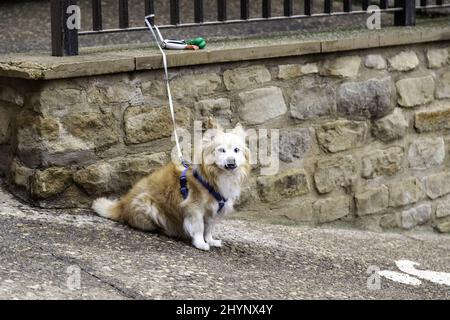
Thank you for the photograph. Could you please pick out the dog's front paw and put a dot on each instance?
(201, 245)
(215, 243)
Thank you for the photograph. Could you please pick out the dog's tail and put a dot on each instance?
(107, 208)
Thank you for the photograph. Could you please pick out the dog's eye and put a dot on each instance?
(236, 150)
(221, 150)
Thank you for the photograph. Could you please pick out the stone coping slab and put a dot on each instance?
(114, 59)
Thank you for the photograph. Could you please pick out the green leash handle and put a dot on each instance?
(199, 42)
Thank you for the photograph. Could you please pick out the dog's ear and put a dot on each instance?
(209, 135)
(212, 123)
(239, 131)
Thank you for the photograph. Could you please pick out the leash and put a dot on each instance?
(183, 179)
(169, 93)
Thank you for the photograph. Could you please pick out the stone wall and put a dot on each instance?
(364, 135)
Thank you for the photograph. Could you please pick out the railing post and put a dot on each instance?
(123, 14)
(406, 17)
(266, 8)
(64, 40)
(174, 12)
(365, 4)
(70, 35)
(287, 8)
(96, 15)
(221, 10)
(198, 11)
(348, 6)
(149, 8)
(57, 29)
(309, 7)
(328, 6)
(245, 9)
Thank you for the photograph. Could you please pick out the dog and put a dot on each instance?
(187, 201)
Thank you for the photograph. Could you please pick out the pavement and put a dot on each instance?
(53, 254)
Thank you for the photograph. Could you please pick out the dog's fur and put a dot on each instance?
(155, 203)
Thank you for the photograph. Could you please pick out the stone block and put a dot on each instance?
(331, 209)
(20, 175)
(241, 78)
(287, 184)
(426, 153)
(435, 118)
(372, 200)
(382, 162)
(195, 85)
(261, 105)
(342, 67)
(413, 92)
(443, 209)
(437, 185)
(312, 102)
(50, 182)
(118, 174)
(418, 215)
(11, 96)
(294, 144)
(437, 58)
(291, 71)
(370, 99)
(404, 192)
(443, 227)
(7, 114)
(375, 61)
(342, 135)
(144, 124)
(335, 172)
(404, 61)
(443, 86)
(220, 109)
(391, 127)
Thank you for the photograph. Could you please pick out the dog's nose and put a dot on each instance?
(231, 164)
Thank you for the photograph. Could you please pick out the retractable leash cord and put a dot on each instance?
(169, 94)
(183, 179)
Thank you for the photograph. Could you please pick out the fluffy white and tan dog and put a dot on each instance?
(157, 203)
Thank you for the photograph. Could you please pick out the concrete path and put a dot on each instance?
(48, 254)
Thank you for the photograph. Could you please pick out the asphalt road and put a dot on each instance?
(47, 254)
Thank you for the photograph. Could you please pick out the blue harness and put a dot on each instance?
(185, 191)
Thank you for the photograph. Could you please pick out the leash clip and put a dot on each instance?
(185, 163)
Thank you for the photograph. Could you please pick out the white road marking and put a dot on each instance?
(411, 274)
(433, 276)
(400, 277)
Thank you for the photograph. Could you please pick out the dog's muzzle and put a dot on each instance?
(231, 164)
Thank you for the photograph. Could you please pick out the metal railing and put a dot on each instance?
(65, 39)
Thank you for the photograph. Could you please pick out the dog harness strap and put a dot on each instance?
(185, 191)
(220, 200)
(183, 183)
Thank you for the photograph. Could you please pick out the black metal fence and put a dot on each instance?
(65, 38)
